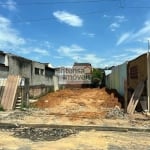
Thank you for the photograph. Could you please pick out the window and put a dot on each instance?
(134, 72)
(37, 71)
(42, 71)
(2, 59)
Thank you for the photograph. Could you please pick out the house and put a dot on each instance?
(77, 76)
(128, 76)
(40, 76)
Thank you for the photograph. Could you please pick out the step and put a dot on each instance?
(19, 97)
(17, 107)
(18, 104)
(18, 101)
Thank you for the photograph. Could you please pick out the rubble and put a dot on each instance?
(116, 113)
(17, 115)
(46, 134)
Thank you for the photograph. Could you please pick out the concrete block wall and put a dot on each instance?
(40, 90)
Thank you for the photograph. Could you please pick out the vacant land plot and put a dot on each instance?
(92, 140)
(97, 107)
(79, 104)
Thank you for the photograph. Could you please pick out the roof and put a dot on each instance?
(2, 53)
(82, 64)
(24, 59)
(143, 55)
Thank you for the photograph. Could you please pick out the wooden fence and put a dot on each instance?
(8, 99)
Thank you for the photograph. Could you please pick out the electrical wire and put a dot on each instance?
(59, 2)
(52, 17)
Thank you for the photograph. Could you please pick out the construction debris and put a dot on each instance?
(47, 134)
(116, 113)
(135, 98)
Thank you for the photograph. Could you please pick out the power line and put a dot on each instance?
(122, 5)
(52, 17)
(59, 2)
(137, 7)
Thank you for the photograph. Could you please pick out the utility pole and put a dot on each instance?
(148, 78)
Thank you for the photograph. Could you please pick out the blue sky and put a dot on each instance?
(61, 32)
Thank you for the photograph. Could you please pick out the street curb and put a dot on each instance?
(76, 127)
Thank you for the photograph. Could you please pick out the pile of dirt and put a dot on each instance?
(79, 103)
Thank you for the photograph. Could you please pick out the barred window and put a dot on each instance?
(134, 72)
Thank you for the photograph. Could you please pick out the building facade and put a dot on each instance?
(77, 76)
(38, 75)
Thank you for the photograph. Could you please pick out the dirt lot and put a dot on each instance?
(77, 107)
(79, 104)
(96, 107)
(92, 140)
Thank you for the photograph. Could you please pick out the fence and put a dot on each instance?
(12, 89)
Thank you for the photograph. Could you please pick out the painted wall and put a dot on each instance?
(38, 75)
(19, 66)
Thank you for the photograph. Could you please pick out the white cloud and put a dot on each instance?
(58, 57)
(129, 54)
(105, 16)
(91, 35)
(141, 35)
(47, 44)
(68, 18)
(89, 58)
(120, 18)
(120, 56)
(77, 53)
(11, 40)
(41, 51)
(70, 51)
(10, 5)
(123, 38)
(145, 31)
(92, 58)
(136, 51)
(27, 50)
(114, 26)
(143, 40)
(8, 35)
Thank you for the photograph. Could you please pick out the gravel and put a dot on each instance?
(46, 134)
(116, 113)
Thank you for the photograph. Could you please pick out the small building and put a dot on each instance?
(77, 76)
(129, 75)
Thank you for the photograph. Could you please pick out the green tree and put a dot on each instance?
(97, 77)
